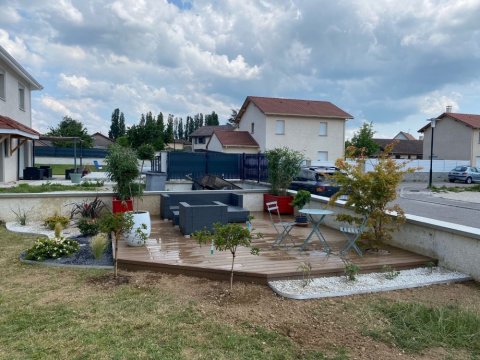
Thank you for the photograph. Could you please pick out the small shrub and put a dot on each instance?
(98, 244)
(45, 248)
(58, 230)
(88, 209)
(21, 215)
(88, 226)
(306, 268)
(389, 272)
(52, 220)
(351, 271)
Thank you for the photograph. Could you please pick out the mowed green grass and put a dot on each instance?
(59, 169)
(58, 313)
(55, 313)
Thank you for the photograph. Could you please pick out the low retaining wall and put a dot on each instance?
(40, 206)
(456, 247)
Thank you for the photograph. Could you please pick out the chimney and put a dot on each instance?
(449, 109)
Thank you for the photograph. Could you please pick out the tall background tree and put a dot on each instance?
(363, 142)
(69, 127)
(211, 119)
(231, 119)
(117, 126)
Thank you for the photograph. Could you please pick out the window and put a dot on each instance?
(21, 97)
(322, 155)
(200, 140)
(478, 132)
(323, 129)
(280, 127)
(2, 84)
(252, 128)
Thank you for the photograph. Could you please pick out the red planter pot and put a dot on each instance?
(283, 202)
(122, 206)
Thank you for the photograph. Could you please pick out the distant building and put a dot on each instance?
(16, 133)
(456, 137)
(316, 128)
(202, 135)
(233, 142)
(101, 141)
(179, 145)
(403, 149)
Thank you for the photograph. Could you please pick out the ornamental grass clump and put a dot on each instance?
(98, 245)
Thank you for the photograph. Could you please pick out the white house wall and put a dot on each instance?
(254, 115)
(452, 140)
(10, 105)
(302, 134)
(214, 144)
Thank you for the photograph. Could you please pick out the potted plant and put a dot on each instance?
(122, 167)
(283, 165)
(302, 198)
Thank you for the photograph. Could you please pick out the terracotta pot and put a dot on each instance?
(122, 206)
(283, 202)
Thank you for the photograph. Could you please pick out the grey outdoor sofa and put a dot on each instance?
(231, 203)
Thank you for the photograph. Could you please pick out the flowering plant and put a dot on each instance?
(45, 248)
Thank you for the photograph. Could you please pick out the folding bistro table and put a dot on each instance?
(316, 216)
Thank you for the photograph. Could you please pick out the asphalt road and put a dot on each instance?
(416, 199)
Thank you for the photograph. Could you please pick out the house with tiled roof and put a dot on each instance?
(404, 136)
(233, 142)
(456, 136)
(403, 149)
(316, 128)
(202, 135)
(16, 133)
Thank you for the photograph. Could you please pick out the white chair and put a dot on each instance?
(282, 228)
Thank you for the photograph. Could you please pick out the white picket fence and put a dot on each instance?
(421, 166)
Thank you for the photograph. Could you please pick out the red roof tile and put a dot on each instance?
(471, 120)
(10, 126)
(293, 107)
(236, 138)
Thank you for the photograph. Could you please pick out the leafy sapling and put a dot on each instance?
(228, 237)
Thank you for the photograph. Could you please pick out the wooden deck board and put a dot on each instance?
(169, 251)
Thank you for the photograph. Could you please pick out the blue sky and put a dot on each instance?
(394, 63)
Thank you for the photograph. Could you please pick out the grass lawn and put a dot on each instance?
(56, 313)
(49, 187)
(59, 169)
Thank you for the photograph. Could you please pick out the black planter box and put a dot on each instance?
(33, 173)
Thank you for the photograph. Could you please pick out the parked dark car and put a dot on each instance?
(467, 174)
(315, 179)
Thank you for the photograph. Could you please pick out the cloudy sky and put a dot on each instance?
(394, 63)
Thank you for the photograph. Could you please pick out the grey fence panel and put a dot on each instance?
(228, 166)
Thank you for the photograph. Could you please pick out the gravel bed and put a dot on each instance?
(82, 258)
(365, 283)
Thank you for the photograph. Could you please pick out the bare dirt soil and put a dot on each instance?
(326, 325)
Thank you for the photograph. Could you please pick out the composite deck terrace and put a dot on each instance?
(169, 251)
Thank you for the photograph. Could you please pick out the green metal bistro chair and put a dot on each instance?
(353, 233)
(282, 228)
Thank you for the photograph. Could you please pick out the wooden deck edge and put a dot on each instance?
(211, 274)
(224, 275)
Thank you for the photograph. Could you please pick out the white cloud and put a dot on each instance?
(435, 103)
(384, 61)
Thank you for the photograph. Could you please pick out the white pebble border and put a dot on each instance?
(365, 283)
(37, 228)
